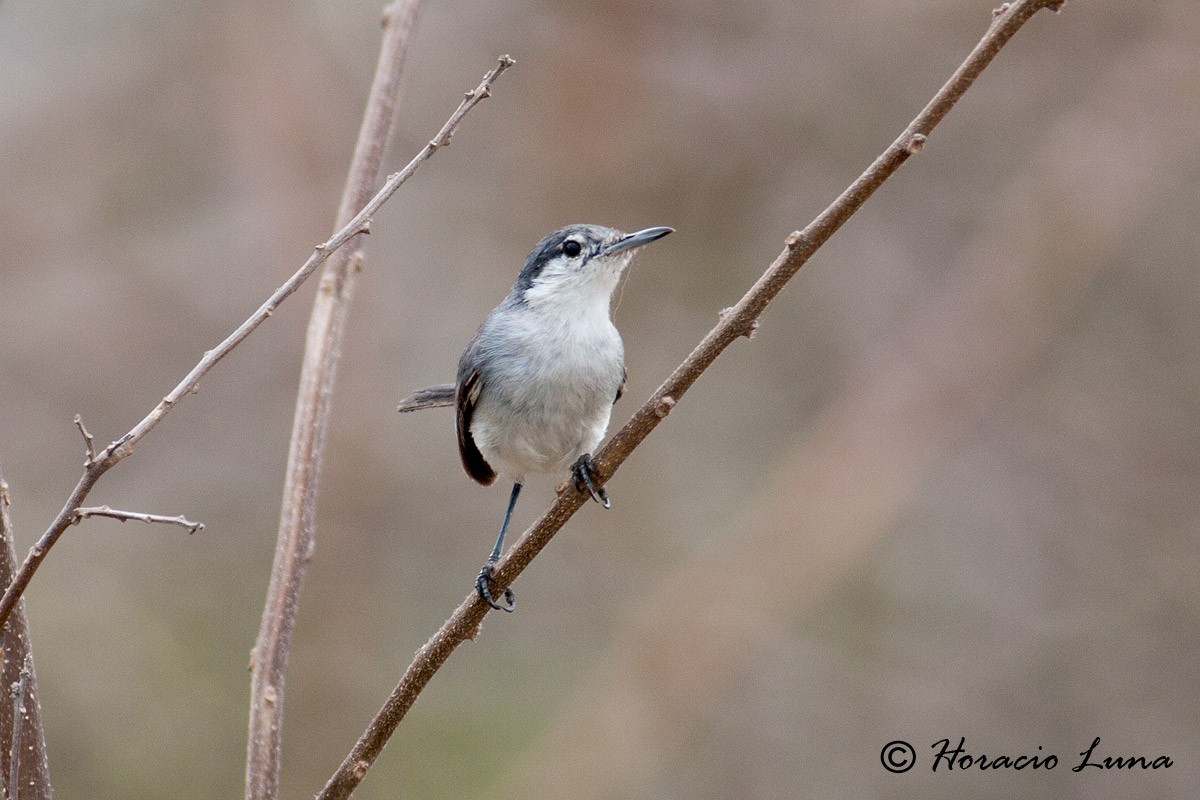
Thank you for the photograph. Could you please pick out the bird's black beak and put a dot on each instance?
(632, 240)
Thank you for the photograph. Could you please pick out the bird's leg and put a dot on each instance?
(583, 470)
(484, 581)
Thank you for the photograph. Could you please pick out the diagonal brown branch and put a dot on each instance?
(738, 321)
(22, 739)
(296, 536)
(96, 464)
(902, 409)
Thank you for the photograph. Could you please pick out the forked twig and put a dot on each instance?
(99, 463)
(738, 321)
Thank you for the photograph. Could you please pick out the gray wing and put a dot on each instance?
(469, 388)
(432, 397)
(473, 461)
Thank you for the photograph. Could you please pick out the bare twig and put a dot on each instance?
(296, 536)
(738, 321)
(88, 445)
(22, 735)
(104, 511)
(99, 463)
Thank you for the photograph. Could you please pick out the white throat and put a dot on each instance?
(586, 295)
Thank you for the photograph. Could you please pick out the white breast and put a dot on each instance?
(548, 400)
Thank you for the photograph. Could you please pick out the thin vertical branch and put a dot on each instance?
(18, 715)
(22, 740)
(738, 321)
(296, 537)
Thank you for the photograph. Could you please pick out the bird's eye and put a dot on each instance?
(572, 248)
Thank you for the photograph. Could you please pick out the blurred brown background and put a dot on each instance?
(948, 490)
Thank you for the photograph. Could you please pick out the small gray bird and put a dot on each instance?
(537, 382)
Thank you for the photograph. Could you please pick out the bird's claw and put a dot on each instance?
(584, 470)
(483, 585)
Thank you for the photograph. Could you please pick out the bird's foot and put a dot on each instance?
(584, 470)
(483, 585)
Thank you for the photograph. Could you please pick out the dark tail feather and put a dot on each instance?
(433, 397)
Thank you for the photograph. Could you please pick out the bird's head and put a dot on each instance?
(579, 264)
